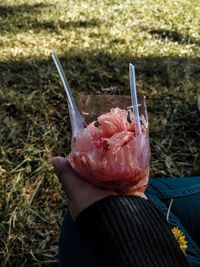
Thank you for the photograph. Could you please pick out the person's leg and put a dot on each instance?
(185, 193)
(73, 251)
(187, 209)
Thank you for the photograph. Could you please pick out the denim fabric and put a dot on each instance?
(184, 214)
(185, 209)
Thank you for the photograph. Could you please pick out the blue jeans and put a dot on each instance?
(183, 193)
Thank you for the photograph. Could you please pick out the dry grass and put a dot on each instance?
(95, 41)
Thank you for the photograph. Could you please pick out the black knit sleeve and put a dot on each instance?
(129, 231)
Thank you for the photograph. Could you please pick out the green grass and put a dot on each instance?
(95, 41)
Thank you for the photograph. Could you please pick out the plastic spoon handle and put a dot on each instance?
(134, 99)
(76, 118)
(64, 79)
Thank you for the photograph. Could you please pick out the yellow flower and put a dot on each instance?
(178, 234)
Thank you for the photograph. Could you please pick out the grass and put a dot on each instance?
(95, 41)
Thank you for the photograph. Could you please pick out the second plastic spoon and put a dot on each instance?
(134, 99)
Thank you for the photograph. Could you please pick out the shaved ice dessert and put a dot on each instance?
(108, 153)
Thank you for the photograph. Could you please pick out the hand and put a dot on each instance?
(80, 193)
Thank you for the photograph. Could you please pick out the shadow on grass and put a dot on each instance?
(32, 97)
(174, 36)
(17, 10)
(54, 26)
(95, 70)
(23, 17)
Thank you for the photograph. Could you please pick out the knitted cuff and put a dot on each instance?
(129, 231)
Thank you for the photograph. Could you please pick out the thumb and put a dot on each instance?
(59, 165)
(70, 181)
(64, 173)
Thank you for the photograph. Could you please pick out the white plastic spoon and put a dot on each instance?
(77, 121)
(134, 99)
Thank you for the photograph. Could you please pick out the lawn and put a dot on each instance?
(95, 41)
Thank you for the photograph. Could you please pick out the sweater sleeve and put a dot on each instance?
(129, 231)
